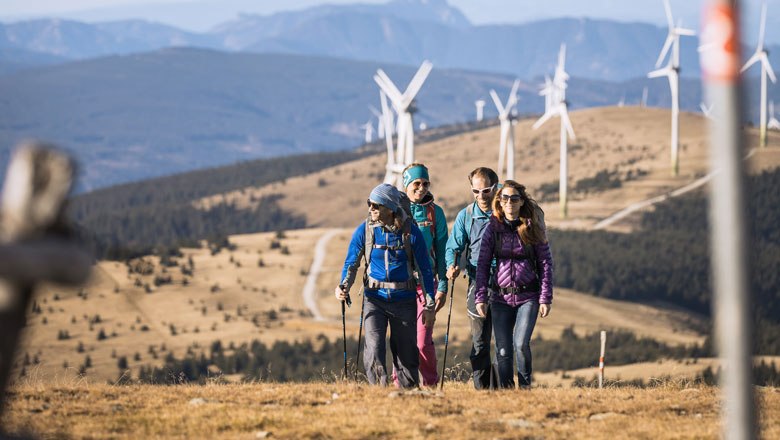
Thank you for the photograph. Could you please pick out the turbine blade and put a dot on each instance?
(754, 59)
(659, 73)
(683, 31)
(496, 101)
(387, 85)
(762, 27)
(545, 117)
(515, 86)
(669, 18)
(417, 81)
(769, 71)
(374, 111)
(664, 50)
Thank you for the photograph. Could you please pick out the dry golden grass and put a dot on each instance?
(352, 411)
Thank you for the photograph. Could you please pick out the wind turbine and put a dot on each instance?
(644, 97)
(403, 103)
(672, 72)
(773, 124)
(480, 104)
(380, 126)
(766, 70)
(555, 92)
(706, 110)
(369, 127)
(506, 144)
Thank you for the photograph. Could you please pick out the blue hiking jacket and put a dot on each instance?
(394, 267)
(461, 239)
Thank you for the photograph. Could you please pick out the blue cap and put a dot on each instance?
(386, 195)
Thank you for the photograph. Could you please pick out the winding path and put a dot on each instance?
(310, 288)
(649, 202)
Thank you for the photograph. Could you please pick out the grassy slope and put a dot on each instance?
(339, 410)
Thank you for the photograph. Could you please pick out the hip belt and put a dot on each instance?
(523, 288)
(410, 284)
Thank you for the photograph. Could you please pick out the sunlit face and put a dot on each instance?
(483, 192)
(417, 189)
(378, 212)
(511, 202)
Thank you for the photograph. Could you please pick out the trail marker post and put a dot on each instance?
(601, 358)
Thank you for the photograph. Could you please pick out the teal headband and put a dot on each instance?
(414, 173)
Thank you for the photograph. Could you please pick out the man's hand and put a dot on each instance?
(544, 310)
(441, 299)
(341, 293)
(453, 272)
(428, 318)
(482, 309)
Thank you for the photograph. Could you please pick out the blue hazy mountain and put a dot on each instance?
(402, 31)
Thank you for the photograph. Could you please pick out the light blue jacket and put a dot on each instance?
(389, 265)
(460, 240)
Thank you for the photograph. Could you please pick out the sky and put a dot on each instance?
(201, 15)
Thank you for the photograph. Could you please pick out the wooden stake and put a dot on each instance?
(601, 358)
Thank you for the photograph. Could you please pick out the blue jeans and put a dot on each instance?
(512, 328)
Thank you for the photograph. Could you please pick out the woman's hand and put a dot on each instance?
(482, 309)
(544, 310)
(341, 295)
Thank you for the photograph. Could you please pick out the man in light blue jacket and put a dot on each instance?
(465, 240)
(393, 250)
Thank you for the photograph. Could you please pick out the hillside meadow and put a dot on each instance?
(336, 410)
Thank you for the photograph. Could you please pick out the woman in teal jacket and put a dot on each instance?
(432, 223)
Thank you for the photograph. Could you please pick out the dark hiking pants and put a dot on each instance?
(481, 329)
(513, 327)
(402, 319)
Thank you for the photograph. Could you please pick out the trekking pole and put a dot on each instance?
(360, 331)
(344, 329)
(447, 335)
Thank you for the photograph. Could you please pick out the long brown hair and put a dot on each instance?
(531, 230)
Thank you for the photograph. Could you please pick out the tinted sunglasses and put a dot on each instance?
(483, 191)
(513, 198)
(424, 184)
(372, 205)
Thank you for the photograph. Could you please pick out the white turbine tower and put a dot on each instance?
(403, 105)
(773, 123)
(506, 144)
(480, 104)
(672, 71)
(555, 92)
(644, 97)
(369, 127)
(766, 70)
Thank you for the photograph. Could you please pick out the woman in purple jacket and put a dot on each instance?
(522, 278)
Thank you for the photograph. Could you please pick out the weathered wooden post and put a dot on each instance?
(34, 244)
(601, 358)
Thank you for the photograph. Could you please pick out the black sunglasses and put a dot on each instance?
(513, 198)
(372, 205)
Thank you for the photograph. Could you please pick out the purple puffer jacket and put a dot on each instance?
(512, 272)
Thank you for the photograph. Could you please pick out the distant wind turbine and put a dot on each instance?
(766, 70)
(369, 127)
(644, 97)
(555, 91)
(773, 124)
(380, 125)
(706, 110)
(480, 104)
(403, 103)
(672, 72)
(506, 144)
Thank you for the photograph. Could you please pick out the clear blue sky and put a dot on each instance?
(202, 14)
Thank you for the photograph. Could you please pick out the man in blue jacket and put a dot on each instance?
(466, 237)
(393, 250)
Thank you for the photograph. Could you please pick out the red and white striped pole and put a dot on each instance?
(601, 358)
(728, 236)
